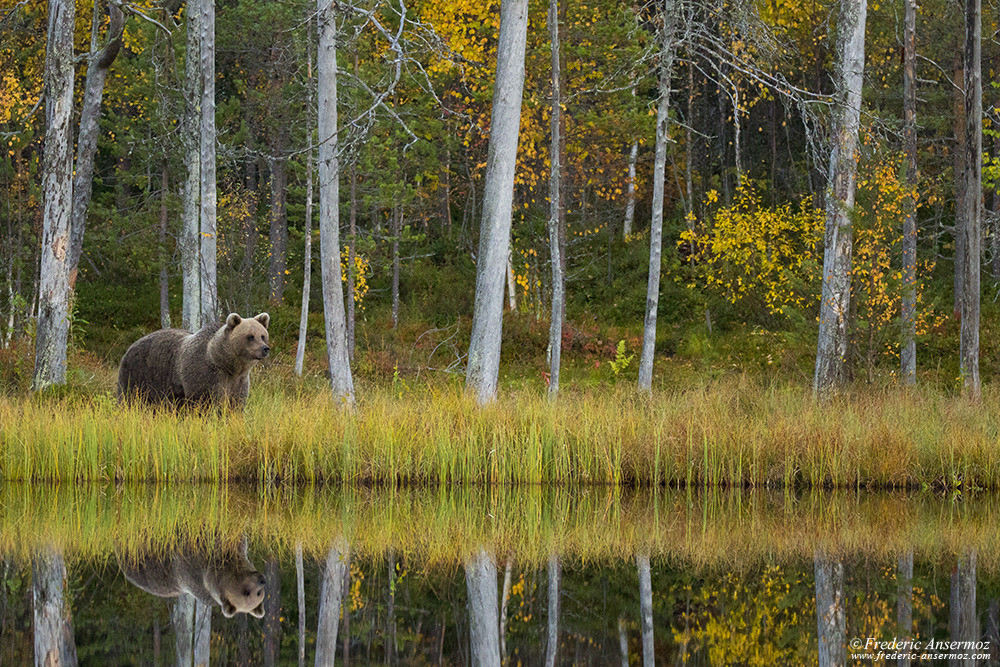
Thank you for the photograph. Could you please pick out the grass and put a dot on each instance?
(733, 433)
(706, 528)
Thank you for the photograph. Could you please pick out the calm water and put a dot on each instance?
(144, 576)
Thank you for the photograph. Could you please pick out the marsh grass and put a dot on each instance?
(441, 525)
(731, 434)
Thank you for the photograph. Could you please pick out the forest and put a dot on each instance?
(688, 155)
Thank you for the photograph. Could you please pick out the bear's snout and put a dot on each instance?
(264, 351)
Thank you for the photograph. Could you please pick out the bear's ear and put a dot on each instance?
(263, 318)
(229, 609)
(233, 320)
(258, 611)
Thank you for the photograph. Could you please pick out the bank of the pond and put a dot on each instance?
(737, 434)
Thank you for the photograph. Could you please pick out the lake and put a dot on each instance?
(140, 575)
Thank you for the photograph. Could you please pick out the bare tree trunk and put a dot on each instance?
(973, 198)
(397, 225)
(555, 206)
(209, 284)
(272, 613)
(182, 615)
(53, 624)
(164, 255)
(908, 351)
(904, 601)
(555, 575)
(190, 239)
(99, 62)
(341, 381)
(964, 621)
(831, 618)
(484, 637)
(831, 347)
(503, 610)
(633, 156)
(330, 598)
(57, 192)
(961, 212)
(300, 589)
(666, 66)
(511, 284)
(494, 242)
(279, 227)
(623, 641)
(202, 633)
(300, 352)
(347, 612)
(646, 610)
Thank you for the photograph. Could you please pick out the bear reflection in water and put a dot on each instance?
(224, 577)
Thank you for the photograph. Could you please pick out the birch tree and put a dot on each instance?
(969, 345)
(558, 284)
(300, 351)
(341, 381)
(963, 623)
(53, 625)
(484, 628)
(831, 347)
(98, 63)
(330, 600)
(908, 352)
(57, 192)
(190, 245)
(209, 286)
(831, 617)
(552, 642)
(667, 43)
(646, 610)
(494, 241)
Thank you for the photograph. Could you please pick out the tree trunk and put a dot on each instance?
(904, 601)
(209, 284)
(555, 575)
(341, 382)
(961, 214)
(190, 244)
(908, 351)
(182, 617)
(511, 283)
(666, 66)
(831, 618)
(351, 252)
(164, 255)
(330, 598)
(964, 621)
(555, 206)
(99, 62)
(300, 589)
(279, 227)
(57, 191)
(484, 636)
(831, 347)
(494, 242)
(397, 225)
(622, 641)
(53, 624)
(969, 351)
(507, 571)
(633, 156)
(646, 610)
(272, 613)
(300, 352)
(202, 633)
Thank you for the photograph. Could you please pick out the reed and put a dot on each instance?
(737, 433)
(442, 525)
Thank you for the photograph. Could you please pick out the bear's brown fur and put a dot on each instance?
(211, 366)
(227, 578)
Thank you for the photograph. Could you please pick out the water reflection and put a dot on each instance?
(676, 581)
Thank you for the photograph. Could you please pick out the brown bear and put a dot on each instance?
(226, 578)
(208, 367)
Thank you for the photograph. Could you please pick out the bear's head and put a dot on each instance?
(242, 593)
(248, 337)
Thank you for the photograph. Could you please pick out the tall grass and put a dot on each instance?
(738, 434)
(703, 527)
